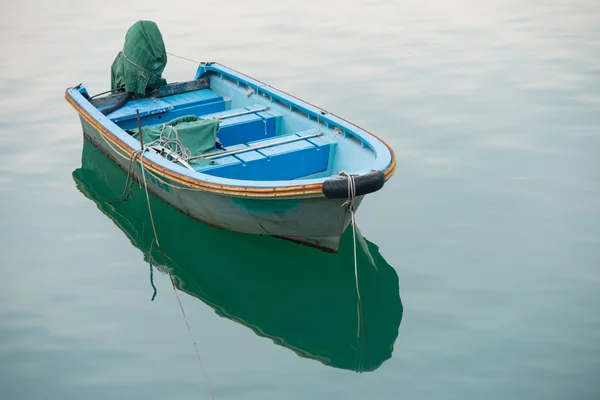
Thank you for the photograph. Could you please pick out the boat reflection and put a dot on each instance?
(300, 298)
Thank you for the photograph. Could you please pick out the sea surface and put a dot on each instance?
(480, 264)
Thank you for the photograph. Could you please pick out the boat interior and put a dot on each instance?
(260, 137)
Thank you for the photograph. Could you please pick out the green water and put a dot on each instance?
(479, 261)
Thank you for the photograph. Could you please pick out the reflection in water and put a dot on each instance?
(299, 297)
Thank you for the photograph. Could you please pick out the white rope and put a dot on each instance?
(349, 204)
(184, 58)
(168, 140)
(170, 147)
(190, 60)
(139, 66)
(171, 276)
(356, 275)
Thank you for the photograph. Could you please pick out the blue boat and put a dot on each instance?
(266, 285)
(274, 164)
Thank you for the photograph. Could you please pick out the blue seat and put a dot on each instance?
(152, 105)
(278, 162)
(246, 128)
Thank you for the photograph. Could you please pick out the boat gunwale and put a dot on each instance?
(270, 90)
(276, 189)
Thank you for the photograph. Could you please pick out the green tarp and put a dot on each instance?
(143, 59)
(197, 135)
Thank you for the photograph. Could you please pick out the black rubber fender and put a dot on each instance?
(337, 188)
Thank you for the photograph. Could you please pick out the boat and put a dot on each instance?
(230, 150)
(301, 298)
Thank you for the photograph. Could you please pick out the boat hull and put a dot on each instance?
(316, 221)
(302, 300)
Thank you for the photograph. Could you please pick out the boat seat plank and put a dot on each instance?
(147, 107)
(153, 105)
(226, 160)
(189, 99)
(245, 128)
(157, 119)
(278, 162)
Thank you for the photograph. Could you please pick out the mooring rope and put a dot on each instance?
(129, 182)
(154, 175)
(184, 58)
(143, 148)
(151, 271)
(350, 206)
(171, 276)
(152, 283)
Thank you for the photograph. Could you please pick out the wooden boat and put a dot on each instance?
(280, 167)
(300, 298)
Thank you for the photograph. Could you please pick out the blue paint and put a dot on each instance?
(245, 128)
(196, 97)
(156, 119)
(279, 162)
(150, 106)
(355, 151)
(260, 89)
(355, 155)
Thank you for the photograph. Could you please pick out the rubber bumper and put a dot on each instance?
(368, 183)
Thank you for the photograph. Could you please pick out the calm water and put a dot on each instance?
(481, 261)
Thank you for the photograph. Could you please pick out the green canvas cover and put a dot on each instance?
(141, 62)
(197, 135)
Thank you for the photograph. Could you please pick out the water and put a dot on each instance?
(484, 277)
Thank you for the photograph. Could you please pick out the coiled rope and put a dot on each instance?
(171, 143)
(169, 139)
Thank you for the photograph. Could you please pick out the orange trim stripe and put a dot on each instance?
(191, 183)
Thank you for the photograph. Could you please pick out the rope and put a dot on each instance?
(171, 276)
(139, 66)
(129, 182)
(349, 204)
(152, 283)
(204, 63)
(350, 207)
(168, 140)
(184, 58)
(151, 271)
(154, 175)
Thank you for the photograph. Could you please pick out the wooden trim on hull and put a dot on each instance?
(296, 239)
